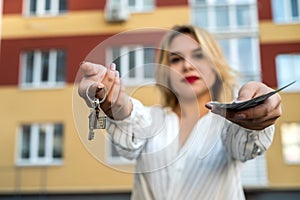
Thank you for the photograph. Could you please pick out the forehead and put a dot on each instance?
(183, 42)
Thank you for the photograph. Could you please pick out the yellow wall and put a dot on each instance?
(281, 174)
(280, 33)
(89, 22)
(81, 169)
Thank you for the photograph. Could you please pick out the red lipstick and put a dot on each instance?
(191, 79)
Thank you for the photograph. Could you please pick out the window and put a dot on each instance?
(45, 7)
(235, 25)
(43, 68)
(290, 138)
(40, 144)
(254, 172)
(112, 155)
(286, 11)
(242, 55)
(135, 63)
(135, 5)
(224, 15)
(288, 70)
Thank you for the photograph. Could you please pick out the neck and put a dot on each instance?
(193, 109)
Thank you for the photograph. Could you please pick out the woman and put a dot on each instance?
(182, 150)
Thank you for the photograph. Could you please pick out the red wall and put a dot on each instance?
(78, 48)
(268, 63)
(16, 6)
(264, 9)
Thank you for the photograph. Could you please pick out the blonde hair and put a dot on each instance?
(222, 89)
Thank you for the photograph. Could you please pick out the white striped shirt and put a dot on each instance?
(206, 167)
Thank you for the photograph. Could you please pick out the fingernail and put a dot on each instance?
(117, 74)
(100, 85)
(208, 105)
(113, 66)
(240, 116)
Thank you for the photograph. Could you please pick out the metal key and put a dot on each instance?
(100, 119)
(97, 120)
(92, 121)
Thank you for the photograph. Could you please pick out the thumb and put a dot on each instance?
(91, 69)
(248, 91)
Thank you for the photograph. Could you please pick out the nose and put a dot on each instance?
(187, 65)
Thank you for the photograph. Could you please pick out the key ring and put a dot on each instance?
(95, 100)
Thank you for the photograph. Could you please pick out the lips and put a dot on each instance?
(191, 79)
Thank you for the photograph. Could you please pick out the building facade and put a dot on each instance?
(43, 143)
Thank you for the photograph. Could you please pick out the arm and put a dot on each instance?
(245, 144)
(128, 118)
(249, 132)
(129, 135)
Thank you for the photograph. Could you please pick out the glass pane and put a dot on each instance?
(294, 5)
(61, 66)
(200, 1)
(62, 5)
(290, 134)
(278, 11)
(246, 64)
(47, 5)
(222, 17)
(200, 17)
(45, 67)
(32, 7)
(287, 74)
(131, 3)
(243, 16)
(132, 64)
(58, 141)
(42, 141)
(148, 4)
(25, 148)
(29, 67)
(116, 58)
(224, 43)
(221, 1)
(148, 60)
(114, 152)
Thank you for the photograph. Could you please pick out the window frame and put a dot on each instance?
(114, 160)
(140, 77)
(34, 159)
(139, 6)
(280, 81)
(233, 33)
(283, 145)
(287, 14)
(37, 82)
(41, 10)
(232, 6)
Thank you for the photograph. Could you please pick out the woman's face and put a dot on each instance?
(191, 74)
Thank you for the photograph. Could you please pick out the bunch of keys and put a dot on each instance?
(97, 119)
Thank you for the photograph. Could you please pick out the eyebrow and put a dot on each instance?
(176, 53)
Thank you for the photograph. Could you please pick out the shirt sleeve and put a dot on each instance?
(245, 144)
(129, 136)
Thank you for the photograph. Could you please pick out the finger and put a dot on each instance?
(247, 92)
(271, 106)
(251, 90)
(108, 81)
(91, 69)
(112, 97)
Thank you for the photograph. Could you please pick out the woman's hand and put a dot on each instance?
(258, 117)
(117, 104)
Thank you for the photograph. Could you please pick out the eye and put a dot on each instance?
(174, 60)
(199, 55)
